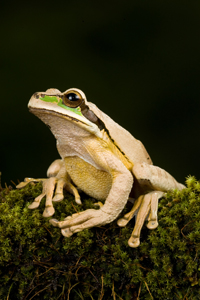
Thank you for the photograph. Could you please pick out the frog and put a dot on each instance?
(100, 158)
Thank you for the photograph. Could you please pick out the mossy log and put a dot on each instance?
(37, 262)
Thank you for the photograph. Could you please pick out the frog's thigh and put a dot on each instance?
(155, 178)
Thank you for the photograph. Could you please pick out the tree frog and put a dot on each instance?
(101, 158)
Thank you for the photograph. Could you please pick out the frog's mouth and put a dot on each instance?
(39, 111)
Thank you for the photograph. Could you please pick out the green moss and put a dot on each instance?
(37, 262)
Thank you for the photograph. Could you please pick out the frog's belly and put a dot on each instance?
(96, 183)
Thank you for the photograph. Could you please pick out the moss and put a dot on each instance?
(37, 262)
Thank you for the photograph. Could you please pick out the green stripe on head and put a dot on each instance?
(57, 100)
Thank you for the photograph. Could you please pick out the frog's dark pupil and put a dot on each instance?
(72, 97)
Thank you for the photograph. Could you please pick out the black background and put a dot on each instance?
(138, 61)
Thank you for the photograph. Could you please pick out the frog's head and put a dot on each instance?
(71, 105)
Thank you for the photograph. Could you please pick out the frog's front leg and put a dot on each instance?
(156, 181)
(52, 187)
(122, 181)
(57, 169)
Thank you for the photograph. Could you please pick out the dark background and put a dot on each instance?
(139, 61)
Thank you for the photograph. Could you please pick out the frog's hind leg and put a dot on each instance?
(153, 218)
(154, 178)
(149, 206)
(154, 181)
(127, 217)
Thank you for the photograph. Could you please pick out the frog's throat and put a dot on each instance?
(92, 128)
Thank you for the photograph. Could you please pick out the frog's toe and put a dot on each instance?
(78, 200)
(152, 224)
(49, 211)
(28, 180)
(58, 197)
(37, 201)
(54, 222)
(66, 232)
(122, 222)
(21, 185)
(134, 242)
(34, 205)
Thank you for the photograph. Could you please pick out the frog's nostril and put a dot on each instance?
(36, 95)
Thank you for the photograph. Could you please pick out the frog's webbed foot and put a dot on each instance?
(47, 190)
(145, 205)
(52, 187)
(80, 221)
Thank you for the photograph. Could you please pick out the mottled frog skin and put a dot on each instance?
(101, 158)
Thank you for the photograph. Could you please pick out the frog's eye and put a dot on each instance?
(72, 99)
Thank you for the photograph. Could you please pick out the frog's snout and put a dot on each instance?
(36, 95)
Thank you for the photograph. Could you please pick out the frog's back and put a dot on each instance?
(131, 147)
